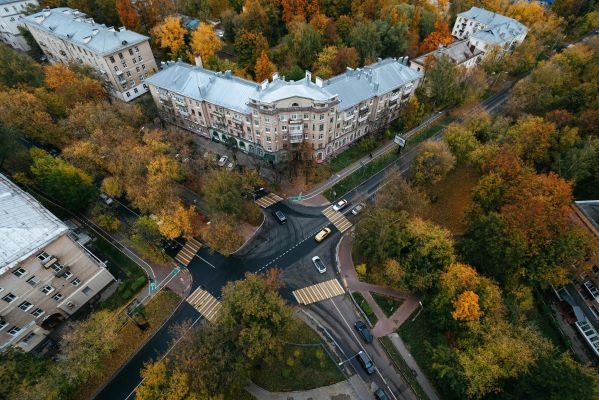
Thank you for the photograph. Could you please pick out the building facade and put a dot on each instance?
(281, 119)
(121, 58)
(461, 52)
(11, 12)
(45, 276)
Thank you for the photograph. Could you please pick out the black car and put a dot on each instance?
(363, 331)
(280, 217)
(380, 394)
(365, 362)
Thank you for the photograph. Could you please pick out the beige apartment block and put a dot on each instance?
(45, 276)
(282, 119)
(121, 58)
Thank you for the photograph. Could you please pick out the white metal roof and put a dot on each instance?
(25, 225)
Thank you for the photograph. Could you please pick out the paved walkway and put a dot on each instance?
(339, 391)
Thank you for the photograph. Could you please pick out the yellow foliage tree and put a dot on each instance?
(177, 220)
(466, 307)
(205, 42)
(169, 34)
(264, 68)
(111, 186)
(161, 383)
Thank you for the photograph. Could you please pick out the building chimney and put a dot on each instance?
(264, 84)
(228, 74)
(319, 81)
(198, 60)
(275, 76)
(308, 76)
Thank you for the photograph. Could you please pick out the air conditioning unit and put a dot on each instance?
(70, 304)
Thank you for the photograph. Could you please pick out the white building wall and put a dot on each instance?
(10, 14)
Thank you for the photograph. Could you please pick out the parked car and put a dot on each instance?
(357, 209)
(230, 166)
(340, 204)
(106, 199)
(223, 161)
(280, 217)
(322, 234)
(363, 331)
(380, 394)
(319, 264)
(365, 362)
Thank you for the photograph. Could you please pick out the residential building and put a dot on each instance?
(487, 29)
(282, 119)
(45, 276)
(10, 15)
(461, 52)
(121, 58)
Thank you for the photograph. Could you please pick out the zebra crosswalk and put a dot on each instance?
(187, 252)
(205, 303)
(268, 200)
(337, 218)
(318, 292)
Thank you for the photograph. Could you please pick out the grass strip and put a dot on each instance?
(365, 307)
(388, 304)
(402, 367)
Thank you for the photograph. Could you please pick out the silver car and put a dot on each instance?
(319, 264)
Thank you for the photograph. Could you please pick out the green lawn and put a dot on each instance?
(402, 367)
(541, 315)
(303, 365)
(132, 276)
(365, 307)
(388, 304)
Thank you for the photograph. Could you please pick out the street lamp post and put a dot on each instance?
(421, 308)
(343, 362)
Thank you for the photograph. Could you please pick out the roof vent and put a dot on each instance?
(87, 39)
(122, 29)
(228, 74)
(46, 13)
(111, 29)
(95, 32)
(124, 42)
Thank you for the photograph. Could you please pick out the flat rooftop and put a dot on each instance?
(25, 225)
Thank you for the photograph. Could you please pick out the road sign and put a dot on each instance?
(399, 140)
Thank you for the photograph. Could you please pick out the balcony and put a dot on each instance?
(348, 117)
(298, 138)
(363, 117)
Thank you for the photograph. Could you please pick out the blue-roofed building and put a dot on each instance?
(274, 120)
(11, 12)
(120, 57)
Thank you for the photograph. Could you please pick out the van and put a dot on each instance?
(366, 362)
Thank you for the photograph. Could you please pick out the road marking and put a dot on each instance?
(337, 218)
(268, 200)
(318, 292)
(188, 251)
(205, 303)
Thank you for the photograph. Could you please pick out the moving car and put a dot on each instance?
(365, 362)
(319, 264)
(363, 331)
(322, 234)
(223, 160)
(380, 394)
(280, 217)
(340, 204)
(357, 209)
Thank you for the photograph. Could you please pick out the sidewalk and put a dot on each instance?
(339, 391)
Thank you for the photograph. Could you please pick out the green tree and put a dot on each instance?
(248, 47)
(305, 43)
(399, 195)
(17, 68)
(432, 163)
(442, 83)
(461, 141)
(378, 235)
(366, 39)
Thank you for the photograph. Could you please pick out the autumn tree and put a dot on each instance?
(161, 382)
(466, 307)
(248, 47)
(432, 163)
(323, 65)
(205, 42)
(399, 195)
(461, 141)
(223, 237)
(71, 87)
(170, 34)
(293, 10)
(127, 14)
(254, 18)
(176, 220)
(264, 68)
(345, 57)
(17, 68)
(440, 36)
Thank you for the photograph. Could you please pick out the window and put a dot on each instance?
(42, 256)
(87, 291)
(136, 49)
(143, 66)
(3, 324)
(134, 61)
(321, 117)
(67, 275)
(28, 338)
(57, 297)
(306, 116)
(47, 289)
(19, 272)
(129, 73)
(121, 56)
(135, 90)
(25, 306)
(116, 68)
(38, 312)
(139, 58)
(14, 330)
(128, 94)
(9, 298)
(57, 267)
(131, 51)
(124, 64)
(137, 69)
(76, 282)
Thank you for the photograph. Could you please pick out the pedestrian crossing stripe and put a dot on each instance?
(205, 303)
(268, 200)
(337, 218)
(318, 292)
(188, 252)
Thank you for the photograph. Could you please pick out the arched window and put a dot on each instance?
(295, 105)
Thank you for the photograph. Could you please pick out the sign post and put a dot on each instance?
(401, 142)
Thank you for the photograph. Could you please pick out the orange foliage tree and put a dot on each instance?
(205, 42)
(264, 68)
(127, 14)
(466, 307)
(170, 34)
(440, 36)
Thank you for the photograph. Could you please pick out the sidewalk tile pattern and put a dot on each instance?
(205, 303)
(337, 218)
(188, 251)
(268, 200)
(318, 292)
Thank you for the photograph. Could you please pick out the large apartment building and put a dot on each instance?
(121, 58)
(10, 20)
(45, 276)
(278, 120)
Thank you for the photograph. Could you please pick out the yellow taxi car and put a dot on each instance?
(322, 234)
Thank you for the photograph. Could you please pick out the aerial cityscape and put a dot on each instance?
(299, 199)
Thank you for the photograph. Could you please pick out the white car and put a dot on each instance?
(339, 205)
(319, 264)
(357, 209)
(230, 166)
(223, 161)
(106, 199)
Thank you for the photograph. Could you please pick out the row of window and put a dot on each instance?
(14, 330)
(122, 58)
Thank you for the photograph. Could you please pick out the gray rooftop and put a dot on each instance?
(25, 225)
(458, 52)
(232, 92)
(499, 28)
(3, 2)
(74, 26)
(590, 208)
(486, 17)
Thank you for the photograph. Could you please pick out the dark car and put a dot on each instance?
(363, 331)
(380, 394)
(280, 217)
(366, 362)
